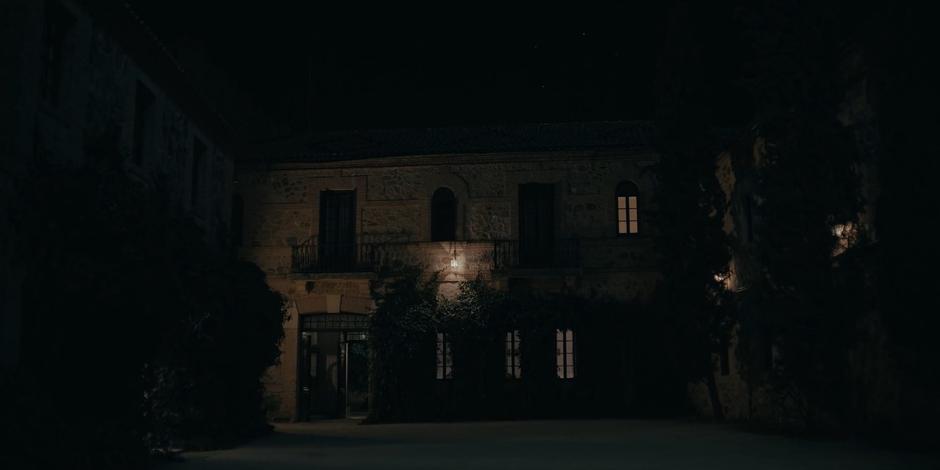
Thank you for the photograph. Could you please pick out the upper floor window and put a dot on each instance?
(57, 25)
(237, 220)
(513, 356)
(564, 354)
(199, 162)
(445, 360)
(628, 214)
(443, 215)
(143, 122)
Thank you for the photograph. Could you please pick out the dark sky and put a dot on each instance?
(467, 64)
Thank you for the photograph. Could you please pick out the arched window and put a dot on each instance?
(443, 215)
(628, 219)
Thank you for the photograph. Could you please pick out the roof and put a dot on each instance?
(351, 145)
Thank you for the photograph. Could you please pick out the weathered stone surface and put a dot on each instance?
(397, 222)
(389, 184)
(488, 221)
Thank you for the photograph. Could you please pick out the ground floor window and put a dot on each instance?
(513, 365)
(564, 354)
(445, 362)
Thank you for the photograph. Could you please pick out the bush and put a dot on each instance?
(623, 366)
(135, 332)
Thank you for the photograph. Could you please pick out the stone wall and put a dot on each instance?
(393, 197)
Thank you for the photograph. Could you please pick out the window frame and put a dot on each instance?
(565, 355)
(444, 369)
(513, 355)
(145, 102)
(438, 212)
(627, 194)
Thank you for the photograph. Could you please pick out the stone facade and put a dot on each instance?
(393, 214)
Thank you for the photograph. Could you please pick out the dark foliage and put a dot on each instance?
(135, 333)
(806, 184)
(695, 252)
(623, 365)
(401, 345)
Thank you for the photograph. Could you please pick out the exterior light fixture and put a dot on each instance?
(453, 260)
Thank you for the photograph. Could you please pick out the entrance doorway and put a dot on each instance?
(333, 366)
(357, 375)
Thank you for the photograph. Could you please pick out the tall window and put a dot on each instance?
(628, 217)
(536, 224)
(58, 23)
(143, 122)
(445, 360)
(564, 354)
(443, 215)
(337, 235)
(199, 162)
(237, 221)
(513, 364)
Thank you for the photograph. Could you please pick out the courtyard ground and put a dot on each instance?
(588, 444)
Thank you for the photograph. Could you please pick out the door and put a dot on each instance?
(536, 224)
(309, 368)
(336, 240)
(357, 376)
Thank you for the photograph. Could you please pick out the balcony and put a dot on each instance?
(313, 257)
(465, 256)
(511, 254)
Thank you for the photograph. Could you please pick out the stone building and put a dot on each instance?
(550, 208)
(87, 80)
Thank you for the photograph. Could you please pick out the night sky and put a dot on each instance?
(364, 68)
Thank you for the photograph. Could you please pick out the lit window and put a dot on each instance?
(628, 213)
(564, 354)
(445, 361)
(513, 364)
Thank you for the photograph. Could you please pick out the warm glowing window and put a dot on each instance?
(445, 361)
(628, 211)
(513, 365)
(564, 354)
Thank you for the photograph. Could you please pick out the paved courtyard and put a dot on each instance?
(613, 444)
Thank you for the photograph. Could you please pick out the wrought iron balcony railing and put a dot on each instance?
(499, 255)
(561, 253)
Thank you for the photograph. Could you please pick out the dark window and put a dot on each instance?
(536, 224)
(337, 230)
(199, 162)
(513, 356)
(724, 359)
(58, 23)
(628, 209)
(143, 122)
(238, 214)
(443, 215)
(445, 359)
(564, 354)
(749, 218)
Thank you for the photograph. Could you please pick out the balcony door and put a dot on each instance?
(536, 224)
(337, 238)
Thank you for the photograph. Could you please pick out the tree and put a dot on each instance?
(694, 250)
